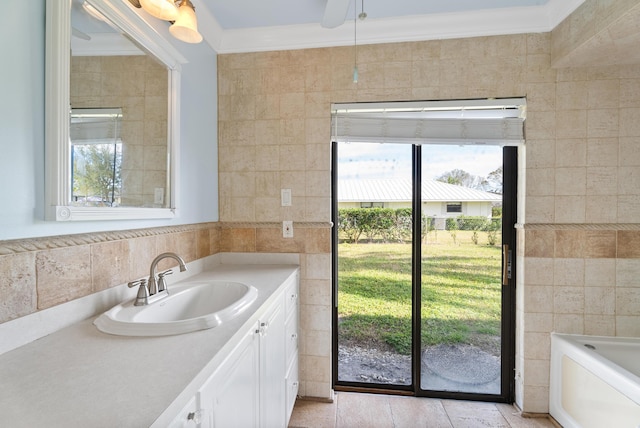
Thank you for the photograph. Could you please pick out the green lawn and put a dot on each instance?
(460, 293)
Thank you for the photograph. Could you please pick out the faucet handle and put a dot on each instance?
(142, 282)
(165, 273)
(162, 284)
(143, 293)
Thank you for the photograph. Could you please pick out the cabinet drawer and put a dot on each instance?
(189, 417)
(291, 337)
(291, 297)
(292, 386)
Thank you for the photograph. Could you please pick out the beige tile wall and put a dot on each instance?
(313, 242)
(573, 278)
(39, 273)
(578, 255)
(139, 85)
(598, 33)
(579, 166)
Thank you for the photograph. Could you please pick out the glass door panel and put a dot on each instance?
(419, 295)
(461, 266)
(374, 268)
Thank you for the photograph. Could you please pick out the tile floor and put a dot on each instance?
(356, 410)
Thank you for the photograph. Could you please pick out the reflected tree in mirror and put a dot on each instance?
(108, 56)
(96, 157)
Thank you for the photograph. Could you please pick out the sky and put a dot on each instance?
(390, 161)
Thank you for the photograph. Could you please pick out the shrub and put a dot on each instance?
(403, 224)
(451, 223)
(428, 225)
(492, 230)
(472, 222)
(350, 223)
(395, 225)
(391, 225)
(452, 227)
(375, 221)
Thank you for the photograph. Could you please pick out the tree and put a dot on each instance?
(96, 172)
(460, 177)
(494, 181)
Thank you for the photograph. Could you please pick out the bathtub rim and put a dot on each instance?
(572, 345)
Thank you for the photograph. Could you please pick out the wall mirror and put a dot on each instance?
(112, 114)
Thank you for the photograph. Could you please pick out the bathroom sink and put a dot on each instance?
(190, 306)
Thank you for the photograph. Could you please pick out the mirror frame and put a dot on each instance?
(57, 110)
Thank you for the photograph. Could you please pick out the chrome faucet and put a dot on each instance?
(143, 292)
(152, 284)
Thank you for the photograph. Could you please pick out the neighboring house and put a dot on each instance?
(439, 200)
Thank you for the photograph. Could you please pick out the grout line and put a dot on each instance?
(393, 419)
(336, 399)
(498, 408)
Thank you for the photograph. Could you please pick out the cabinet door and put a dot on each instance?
(230, 397)
(189, 417)
(273, 369)
(292, 386)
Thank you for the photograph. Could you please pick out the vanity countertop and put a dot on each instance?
(81, 377)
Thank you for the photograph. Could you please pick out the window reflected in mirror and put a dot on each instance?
(108, 57)
(96, 157)
(137, 85)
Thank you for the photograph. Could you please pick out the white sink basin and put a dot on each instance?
(190, 306)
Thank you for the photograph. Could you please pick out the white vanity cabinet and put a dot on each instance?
(252, 386)
(272, 368)
(189, 416)
(230, 397)
(291, 305)
(241, 373)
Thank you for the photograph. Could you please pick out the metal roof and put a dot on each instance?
(399, 190)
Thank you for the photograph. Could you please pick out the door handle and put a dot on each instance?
(506, 264)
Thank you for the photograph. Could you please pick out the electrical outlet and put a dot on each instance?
(287, 229)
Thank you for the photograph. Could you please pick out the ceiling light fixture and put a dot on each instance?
(180, 13)
(161, 9)
(186, 26)
(93, 12)
(362, 16)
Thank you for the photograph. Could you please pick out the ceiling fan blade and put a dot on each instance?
(79, 34)
(335, 13)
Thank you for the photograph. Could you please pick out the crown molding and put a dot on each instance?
(104, 44)
(208, 25)
(489, 22)
(558, 10)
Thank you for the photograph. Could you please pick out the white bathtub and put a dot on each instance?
(595, 381)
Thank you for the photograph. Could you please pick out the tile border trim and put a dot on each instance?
(26, 245)
(578, 226)
(276, 225)
(61, 241)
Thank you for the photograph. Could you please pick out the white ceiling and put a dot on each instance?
(257, 13)
(230, 26)
(261, 25)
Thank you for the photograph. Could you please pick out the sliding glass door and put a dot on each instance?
(422, 243)
(375, 260)
(460, 260)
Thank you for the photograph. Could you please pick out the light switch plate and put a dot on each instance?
(287, 229)
(158, 195)
(286, 197)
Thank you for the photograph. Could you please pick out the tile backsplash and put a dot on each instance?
(40, 273)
